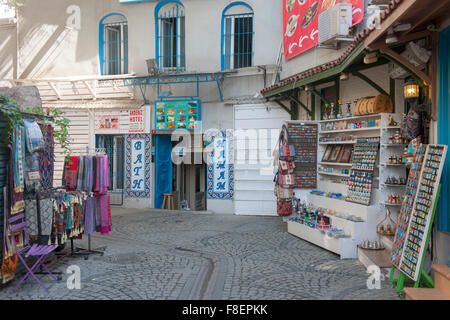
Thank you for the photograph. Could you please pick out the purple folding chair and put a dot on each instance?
(41, 252)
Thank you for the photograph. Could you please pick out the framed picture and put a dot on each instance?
(334, 157)
(326, 155)
(346, 154)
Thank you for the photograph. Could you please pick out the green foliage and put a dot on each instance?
(10, 111)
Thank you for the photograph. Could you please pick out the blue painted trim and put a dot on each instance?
(136, 1)
(222, 45)
(101, 36)
(443, 127)
(157, 8)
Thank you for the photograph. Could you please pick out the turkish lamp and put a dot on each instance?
(411, 90)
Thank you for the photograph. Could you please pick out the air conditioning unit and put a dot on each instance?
(335, 23)
(152, 66)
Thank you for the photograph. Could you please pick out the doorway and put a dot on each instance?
(187, 182)
(114, 147)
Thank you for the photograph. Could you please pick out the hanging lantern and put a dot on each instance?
(411, 90)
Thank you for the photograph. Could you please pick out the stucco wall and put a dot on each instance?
(8, 40)
(48, 48)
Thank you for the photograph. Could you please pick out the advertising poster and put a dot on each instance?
(108, 122)
(177, 114)
(300, 22)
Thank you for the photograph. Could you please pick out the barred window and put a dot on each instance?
(170, 36)
(114, 44)
(237, 36)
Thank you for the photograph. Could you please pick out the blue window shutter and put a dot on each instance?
(443, 127)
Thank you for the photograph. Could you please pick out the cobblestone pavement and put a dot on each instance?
(155, 255)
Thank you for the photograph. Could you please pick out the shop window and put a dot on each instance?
(237, 36)
(114, 44)
(170, 36)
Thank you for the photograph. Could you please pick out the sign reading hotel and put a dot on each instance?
(301, 22)
(177, 114)
(136, 121)
(122, 122)
(137, 165)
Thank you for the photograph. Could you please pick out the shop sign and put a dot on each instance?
(177, 114)
(301, 22)
(136, 121)
(221, 165)
(137, 165)
(124, 122)
(108, 122)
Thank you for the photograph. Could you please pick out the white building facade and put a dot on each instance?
(129, 73)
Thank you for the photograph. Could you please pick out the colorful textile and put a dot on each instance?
(32, 173)
(46, 217)
(16, 196)
(101, 175)
(71, 169)
(46, 158)
(97, 174)
(31, 219)
(89, 226)
(80, 173)
(105, 214)
(19, 158)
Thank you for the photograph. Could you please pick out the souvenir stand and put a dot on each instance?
(51, 215)
(415, 225)
(28, 169)
(349, 201)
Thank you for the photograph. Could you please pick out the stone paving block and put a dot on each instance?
(195, 256)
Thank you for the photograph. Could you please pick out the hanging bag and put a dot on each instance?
(286, 167)
(411, 125)
(286, 151)
(286, 180)
(284, 207)
(284, 193)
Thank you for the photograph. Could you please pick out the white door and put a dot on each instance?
(257, 128)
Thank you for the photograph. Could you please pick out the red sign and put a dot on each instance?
(301, 19)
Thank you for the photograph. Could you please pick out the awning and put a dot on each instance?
(330, 70)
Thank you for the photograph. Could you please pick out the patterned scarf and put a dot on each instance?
(89, 227)
(71, 173)
(80, 173)
(105, 214)
(97, 174)
(16, 171)
(46, 157)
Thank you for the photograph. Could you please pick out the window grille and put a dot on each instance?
(115, 46)
(171, 54)
(237, 36)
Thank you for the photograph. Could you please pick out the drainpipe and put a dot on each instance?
(16, 72)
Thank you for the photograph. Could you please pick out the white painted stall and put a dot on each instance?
(257, 129)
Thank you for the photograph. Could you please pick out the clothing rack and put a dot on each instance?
(83, 251)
